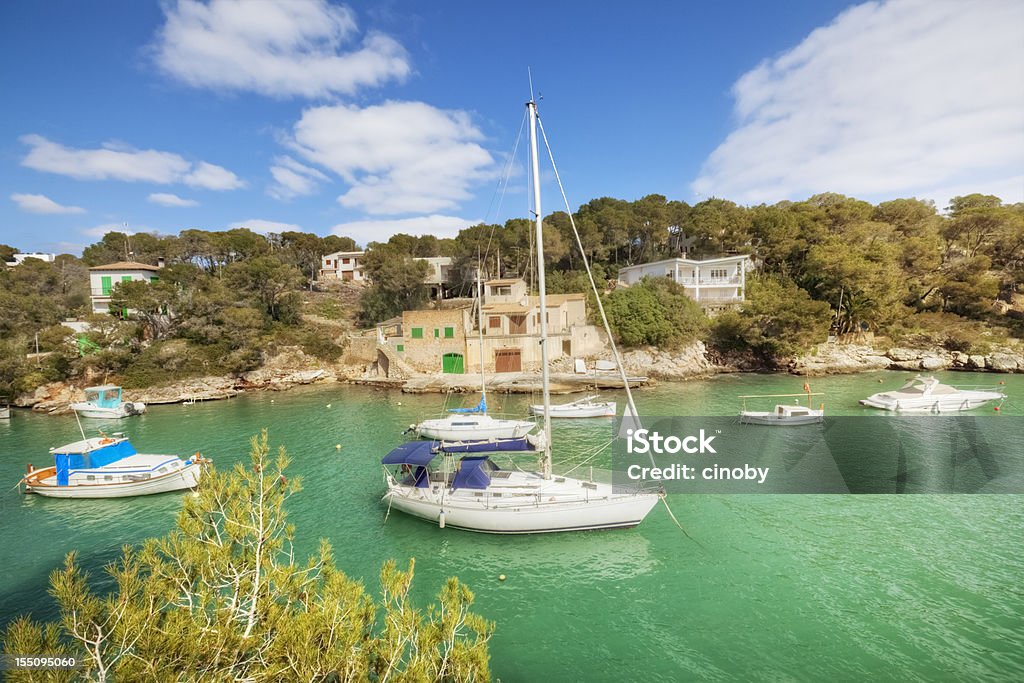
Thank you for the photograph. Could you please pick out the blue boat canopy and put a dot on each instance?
(412, 453)
(474, 473)
(496, 445)
(480, 408)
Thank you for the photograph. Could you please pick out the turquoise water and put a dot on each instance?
(770, 587)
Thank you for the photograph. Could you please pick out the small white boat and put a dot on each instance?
(106, 467)
(472, 426)
(928, 395)
(784, 414)
(5, 412)
(105, 402)
(588, 406)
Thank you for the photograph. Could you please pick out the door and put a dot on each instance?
(508, 360)
(517, 324)
(453, 364)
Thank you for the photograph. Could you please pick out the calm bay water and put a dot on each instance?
(917, 587)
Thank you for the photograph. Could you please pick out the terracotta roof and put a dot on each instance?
(126, 265)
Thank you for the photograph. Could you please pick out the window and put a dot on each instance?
(345, 261)
(126, 278)
(154, 279)
(437, 333)
(417, 333)
(504, 290)
(106, 284)
(494, 322)
(449, 333)
(400, 347)
(719, 273)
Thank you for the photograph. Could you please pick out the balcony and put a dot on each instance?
(709, 281)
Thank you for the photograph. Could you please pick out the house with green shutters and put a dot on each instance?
(103, 278)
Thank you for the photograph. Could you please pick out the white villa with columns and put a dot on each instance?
(709, 282)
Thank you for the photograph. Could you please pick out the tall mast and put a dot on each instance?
(480, 331)
(546, 460)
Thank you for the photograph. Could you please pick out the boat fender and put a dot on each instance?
(30, 469)
(440, 519)
(105, 440)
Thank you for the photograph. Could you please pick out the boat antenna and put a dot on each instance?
(480, 326)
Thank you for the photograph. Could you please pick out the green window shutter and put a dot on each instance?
(417, 333)
(126, 278)
(154, 278)
(449, 333)
(437, 333)
(106, 284)
(400, 347)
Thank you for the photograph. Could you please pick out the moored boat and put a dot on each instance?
(928, 395)
(472, 424)
(105, 402)
(587, 406)
(110, 467)
(783, 414)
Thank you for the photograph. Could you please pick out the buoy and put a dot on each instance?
(399, 403)
(440, 519)
(328, 405)
(501, 577)
(337, 446)
(996, 409)
(879, 381)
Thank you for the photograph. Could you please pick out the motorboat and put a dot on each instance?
(470, 491)
(588, 406)
(105, 402)
(110, 467)
(928, 395)
(784, 414)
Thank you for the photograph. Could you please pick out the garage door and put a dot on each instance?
(508, 360)
(453, 363)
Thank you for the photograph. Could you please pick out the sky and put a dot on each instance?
(371, 118)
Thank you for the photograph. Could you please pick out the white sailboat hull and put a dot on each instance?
(185, 478)
(472, 428)
(564, 504)
(605, 409)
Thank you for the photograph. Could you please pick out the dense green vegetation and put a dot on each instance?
(831, 263)
(222, 598)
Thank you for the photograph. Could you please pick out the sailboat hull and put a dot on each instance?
(567, 505)
(473, 429)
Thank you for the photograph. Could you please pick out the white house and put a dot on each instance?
(103, 278)
(20, 258)
(343, 265)
(438, 275)
(709, 282)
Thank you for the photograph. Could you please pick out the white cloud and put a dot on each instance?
(167, 199)
(380, 230)
(293, 179)
(897, 98)
(263, 227)
(40, 203)
(115, 161)
(398, 157)
(307, 48)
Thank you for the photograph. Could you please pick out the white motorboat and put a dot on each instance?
(588, 406)
(928, 395)
(110, 467)
(474, 494)
(783, 414)
(105, 402)
(5, 412)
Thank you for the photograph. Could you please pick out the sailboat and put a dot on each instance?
(473, 424)
(473, 493)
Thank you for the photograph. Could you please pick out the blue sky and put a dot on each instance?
(373, 118)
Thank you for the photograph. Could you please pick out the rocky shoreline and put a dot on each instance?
(643, 366)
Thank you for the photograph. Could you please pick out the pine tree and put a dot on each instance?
(222, 597)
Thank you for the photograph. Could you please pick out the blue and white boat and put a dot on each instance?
(110, 467)
(105, 402)
(472, 424)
